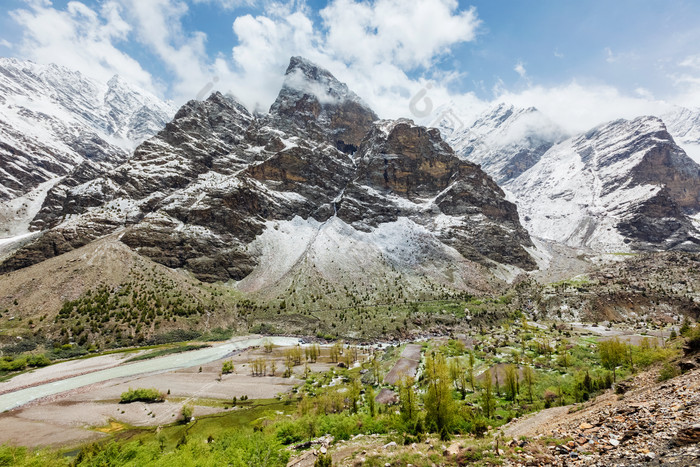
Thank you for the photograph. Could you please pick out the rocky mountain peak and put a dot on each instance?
(314, 103)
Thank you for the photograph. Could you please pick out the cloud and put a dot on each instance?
(609, 56)
(388, 40)
(6, 44)
(230, 4)
(385, 50)
(389, 31)
(691, 61)
(79, 38)
(577, 107)
(644, 93)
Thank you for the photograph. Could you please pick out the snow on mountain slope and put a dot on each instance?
(622, 186)
(684, 125)
(504, 140)
(52, 119)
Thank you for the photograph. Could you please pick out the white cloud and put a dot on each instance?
(558, 54)
(609, 56)
(578, 107)
(80, 38)
(392, 31)
(388, 38)
(644, 93)
(158, 25)
(691, 61)
(370, 45)
(6, 44)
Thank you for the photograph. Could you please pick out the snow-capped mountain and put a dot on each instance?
(53, 119)
(504, 140)
(317, 188)
(622, 186)
(684, 126)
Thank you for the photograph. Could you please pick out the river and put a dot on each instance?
(199, 357)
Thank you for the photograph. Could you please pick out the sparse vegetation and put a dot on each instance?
(142, 395)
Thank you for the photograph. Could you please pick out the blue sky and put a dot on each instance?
(615, 58)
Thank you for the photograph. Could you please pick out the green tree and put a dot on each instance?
(186, 413)
(488, 401)
(612, 352)
(470, 370)
(529, 380)
(408, 402)
(439, 404)
(376, 369)
(371, 403)
(512, 383)
(227, 367)
(354, 394)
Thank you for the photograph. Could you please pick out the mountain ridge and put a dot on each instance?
(201, 192)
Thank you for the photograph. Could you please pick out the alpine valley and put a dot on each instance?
(317, 286)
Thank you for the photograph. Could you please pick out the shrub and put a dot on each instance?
(142, 395)
(227, 367)
(186, 413)
(668, 371)
(694, 338)
(323, 460)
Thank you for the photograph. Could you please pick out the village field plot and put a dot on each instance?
(406, 365)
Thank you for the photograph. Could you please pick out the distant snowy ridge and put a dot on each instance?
(684, 125)
(53, 118)
(504, 140)
(53, 121)
(622, 186)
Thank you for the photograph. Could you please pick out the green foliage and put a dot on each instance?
(439, 404)
(371, 403)
(239, 448)
(227, 367)
(693, 342)
(668, 371)
(176, 335)
(142, 395)
(512, 383)
(488, 401)
(323, 460)
(408, 401)
(186, 413)
(168, 351)
(612, 353)
(23, 457)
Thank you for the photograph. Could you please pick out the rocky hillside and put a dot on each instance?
(651, 423)
(317, 189)
(623, 186)
(54, 121)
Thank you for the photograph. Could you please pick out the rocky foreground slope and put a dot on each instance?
(650, 423)
(317, 187)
